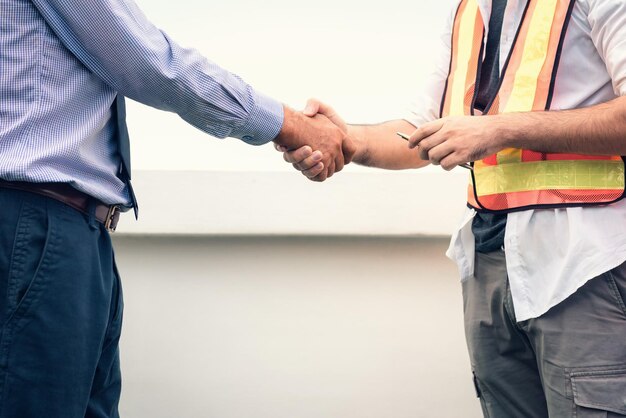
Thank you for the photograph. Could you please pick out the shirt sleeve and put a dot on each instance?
(607, 19)
(115, 41)
(427, 105)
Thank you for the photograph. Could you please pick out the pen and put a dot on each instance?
(406, 138)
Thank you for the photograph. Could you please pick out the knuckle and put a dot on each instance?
(310, 163)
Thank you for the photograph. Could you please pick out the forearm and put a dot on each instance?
(116, 42)
(597, 130)
(379, 146)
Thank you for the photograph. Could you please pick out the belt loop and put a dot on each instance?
(91, 213)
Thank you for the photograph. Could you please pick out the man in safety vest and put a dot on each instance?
(530, 93)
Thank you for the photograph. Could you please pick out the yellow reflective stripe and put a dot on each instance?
(509, 156)
(546, 175)
(536, 47)
(463, 52)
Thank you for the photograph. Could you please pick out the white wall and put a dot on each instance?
(219, 325)
(246, 327)
(367, 59)
(277, 203)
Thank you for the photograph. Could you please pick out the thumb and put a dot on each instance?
(312, 107)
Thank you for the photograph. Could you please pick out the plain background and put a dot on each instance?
(252, 293)
(367, 59)
(292, 327)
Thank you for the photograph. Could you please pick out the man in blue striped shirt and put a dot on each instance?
(64, 177)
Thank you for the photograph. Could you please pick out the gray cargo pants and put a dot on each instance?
(570, 362)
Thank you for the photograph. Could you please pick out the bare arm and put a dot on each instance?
(599, 130)
(374, 145)
(379, 146)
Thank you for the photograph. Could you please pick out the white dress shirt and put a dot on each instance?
(550, 253)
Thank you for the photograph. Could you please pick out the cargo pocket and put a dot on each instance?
(600, 393)
(617, 286)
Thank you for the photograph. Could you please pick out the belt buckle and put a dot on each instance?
(113, 215)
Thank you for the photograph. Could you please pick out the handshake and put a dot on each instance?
(319, 143)
(315, 141)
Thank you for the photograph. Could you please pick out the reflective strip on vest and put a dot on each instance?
(515, 179)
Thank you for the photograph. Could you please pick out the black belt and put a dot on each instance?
(108, 215)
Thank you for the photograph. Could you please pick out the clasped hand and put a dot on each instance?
(453, 141)
(447, 142)
(315, 142)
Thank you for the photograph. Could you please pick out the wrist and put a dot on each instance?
(506, 133)
(356, 134)
(264, 121)
(289, 129)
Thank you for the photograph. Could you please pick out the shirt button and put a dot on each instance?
(248, 138)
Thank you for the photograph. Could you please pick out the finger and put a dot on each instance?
(321, 176)
(339, 163)
(327, 111)
(312, 107)
(298, 155)
(314, 171)
(309, 162)
(424, 132)
(440, 153)
(427, 145)
(331, 169)
(449, 162)
(280, 148)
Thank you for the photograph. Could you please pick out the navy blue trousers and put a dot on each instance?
(60, 312)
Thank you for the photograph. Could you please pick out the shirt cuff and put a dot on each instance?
(264, 121)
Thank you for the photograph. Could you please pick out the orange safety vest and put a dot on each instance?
(516, 179)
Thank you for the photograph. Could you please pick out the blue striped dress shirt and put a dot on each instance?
(63, 62)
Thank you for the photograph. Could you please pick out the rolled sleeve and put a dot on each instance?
(608, 33)
(427, 104)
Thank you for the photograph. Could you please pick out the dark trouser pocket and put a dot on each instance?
(600, 393)
(617, 286)
(30, 257)
(59, 342)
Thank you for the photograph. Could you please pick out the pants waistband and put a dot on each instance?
(108, 215)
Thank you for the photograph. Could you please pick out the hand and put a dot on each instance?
(306, 160)
(452, 141)
(314, 107)
(319, 133)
